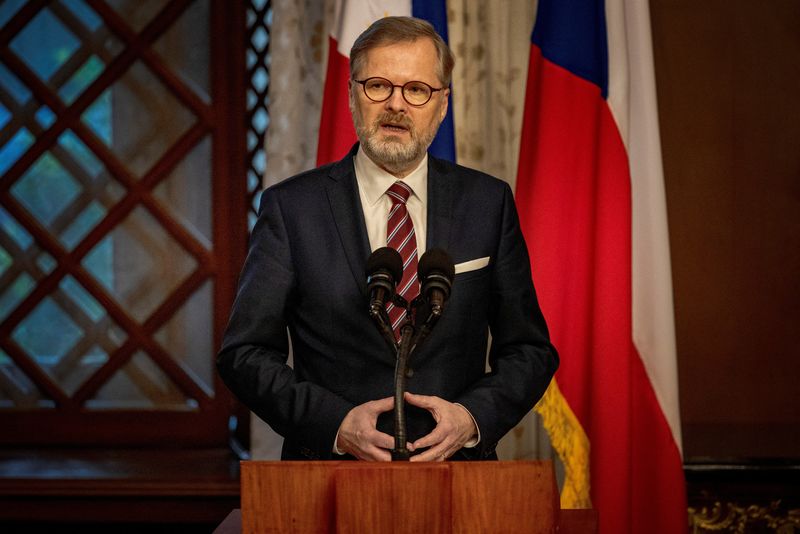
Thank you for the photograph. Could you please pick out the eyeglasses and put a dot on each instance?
(381, 89)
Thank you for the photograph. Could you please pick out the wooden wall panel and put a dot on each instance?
(728, 78)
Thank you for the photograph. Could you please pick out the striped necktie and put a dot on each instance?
(400, 236)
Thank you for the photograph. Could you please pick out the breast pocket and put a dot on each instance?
(469, 299)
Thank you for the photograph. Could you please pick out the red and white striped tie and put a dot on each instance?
(400, 236)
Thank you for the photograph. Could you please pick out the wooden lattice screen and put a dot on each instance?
(124, 204)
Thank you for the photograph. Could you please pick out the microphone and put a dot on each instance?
(384, 270)
(436, 272)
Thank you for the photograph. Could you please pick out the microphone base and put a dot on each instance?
(400, 455)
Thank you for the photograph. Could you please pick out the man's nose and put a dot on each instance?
(396, 102)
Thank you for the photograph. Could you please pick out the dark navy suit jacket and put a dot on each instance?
(305, 270)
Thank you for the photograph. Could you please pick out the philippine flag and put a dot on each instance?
(336, 132)
(591, 199)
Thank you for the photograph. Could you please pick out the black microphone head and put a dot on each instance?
(437, 261)
(386, 259)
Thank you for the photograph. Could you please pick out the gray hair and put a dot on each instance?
(392, 30)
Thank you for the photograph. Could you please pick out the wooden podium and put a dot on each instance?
(361, 497)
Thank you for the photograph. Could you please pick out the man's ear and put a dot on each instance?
(350, 95)
(445, 103)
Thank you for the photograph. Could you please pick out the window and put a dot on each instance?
(123, 214)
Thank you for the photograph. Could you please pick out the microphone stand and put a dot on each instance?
(427, 326)
(410, 339)
(402, 350)
(400, 452)
(381, 320)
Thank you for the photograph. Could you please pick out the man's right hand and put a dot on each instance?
(358, 435)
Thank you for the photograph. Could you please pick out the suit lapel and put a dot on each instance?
(345, 204)
(440, 205)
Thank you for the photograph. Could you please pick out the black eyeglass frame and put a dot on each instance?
(402, 89)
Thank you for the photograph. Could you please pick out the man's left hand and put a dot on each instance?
(454, 428)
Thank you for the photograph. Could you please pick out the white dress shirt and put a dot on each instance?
(376, 204)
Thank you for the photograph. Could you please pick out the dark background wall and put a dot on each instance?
(728, 78)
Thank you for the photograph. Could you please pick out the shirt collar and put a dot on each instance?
(374, 181)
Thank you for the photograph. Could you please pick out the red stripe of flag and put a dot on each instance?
(574, 198)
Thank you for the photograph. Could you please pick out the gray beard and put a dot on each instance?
(391, 153)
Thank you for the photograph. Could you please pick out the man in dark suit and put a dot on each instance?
(306, 272)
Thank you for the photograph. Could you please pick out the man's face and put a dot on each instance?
(395, 134)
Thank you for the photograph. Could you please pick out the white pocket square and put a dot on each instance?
(472, 265)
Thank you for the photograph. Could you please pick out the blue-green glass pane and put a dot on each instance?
(45, 117)
(5, 116)
(14, 149)
(11, 228)
(259, 161)
(82, 298)
(47, 333)
(98, 117)
(46, 263)
(260, 38)
(253, 182)
(86, 15)
(45, 44)
(46, 189)
(82, 225)
(8, 9)
(256, 201)
(17, 390)
(100, 262)
(5, 261)
(82, 78)
(15, 293)
(13, 86)
(260, 79)
(260, 120)
(95, 356)
(72, 144)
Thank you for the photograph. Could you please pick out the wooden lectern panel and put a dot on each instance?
(395, 498)
(506, 497)
(429, 498)
(293, 497)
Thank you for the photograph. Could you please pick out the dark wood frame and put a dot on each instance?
(224, 120)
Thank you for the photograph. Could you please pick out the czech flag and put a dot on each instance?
(336, 132)
(591, 199)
